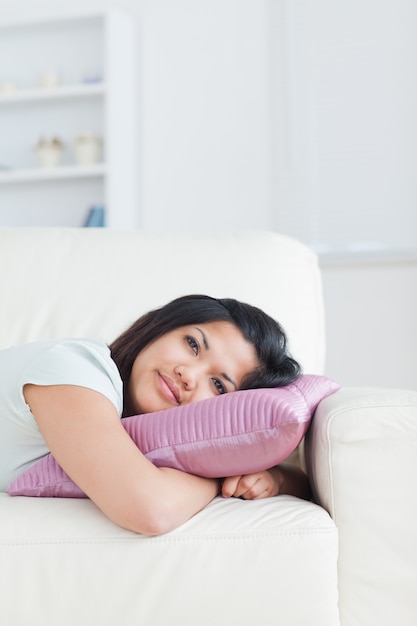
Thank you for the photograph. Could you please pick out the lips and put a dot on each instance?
(169, 388)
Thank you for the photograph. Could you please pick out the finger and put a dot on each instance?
(253, 491)
(256, 496)
(263, 487)
(230, 484)
(248, 487)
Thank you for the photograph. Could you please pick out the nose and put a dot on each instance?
(187, 376)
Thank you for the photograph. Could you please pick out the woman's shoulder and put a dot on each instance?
(76, 352)
(90, 349)
(80, 345)
(83, 362)
(44, 345)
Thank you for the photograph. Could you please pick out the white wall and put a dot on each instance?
(371, 311)
(347, 176)
(206, 116)
(217, 98)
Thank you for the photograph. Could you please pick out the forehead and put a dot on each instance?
(225, 339)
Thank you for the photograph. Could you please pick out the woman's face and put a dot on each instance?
(189, 364)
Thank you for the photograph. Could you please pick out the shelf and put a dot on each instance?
(94, 58)
(64, 17)
(54, 93)
(61, 172)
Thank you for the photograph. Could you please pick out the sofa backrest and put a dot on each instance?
(95, 282)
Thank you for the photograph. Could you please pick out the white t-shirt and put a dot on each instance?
(81, 362)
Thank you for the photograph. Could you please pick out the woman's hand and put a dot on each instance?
(251, 486)
(282, 479)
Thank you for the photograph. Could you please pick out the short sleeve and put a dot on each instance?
(81, 362)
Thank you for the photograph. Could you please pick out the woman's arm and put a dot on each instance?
(282, 479)
(83, 431)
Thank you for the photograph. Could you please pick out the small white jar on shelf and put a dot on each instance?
(87, 149)
(49, 151)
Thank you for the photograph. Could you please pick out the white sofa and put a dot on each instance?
(349, 559)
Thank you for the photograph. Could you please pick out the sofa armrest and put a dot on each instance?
(361, 454)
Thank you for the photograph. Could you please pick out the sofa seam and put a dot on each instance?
(229, 538)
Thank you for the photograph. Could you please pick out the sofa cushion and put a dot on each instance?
(72, 566)
(233, 434)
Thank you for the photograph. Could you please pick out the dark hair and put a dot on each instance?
(276, 367)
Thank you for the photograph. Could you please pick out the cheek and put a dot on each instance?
(204, 392)
(137, 381)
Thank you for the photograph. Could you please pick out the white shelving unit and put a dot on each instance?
(92, 60)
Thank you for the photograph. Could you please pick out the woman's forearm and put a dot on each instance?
(185, 495)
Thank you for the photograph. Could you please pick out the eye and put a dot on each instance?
(220, 388)
(193, 343)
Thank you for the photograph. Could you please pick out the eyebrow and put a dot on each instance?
(207, 347)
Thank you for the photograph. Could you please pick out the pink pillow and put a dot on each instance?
(233, 434)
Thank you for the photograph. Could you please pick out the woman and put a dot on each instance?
(67, 397)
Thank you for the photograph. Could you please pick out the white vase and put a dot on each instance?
(49, 156)
(87, 149)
